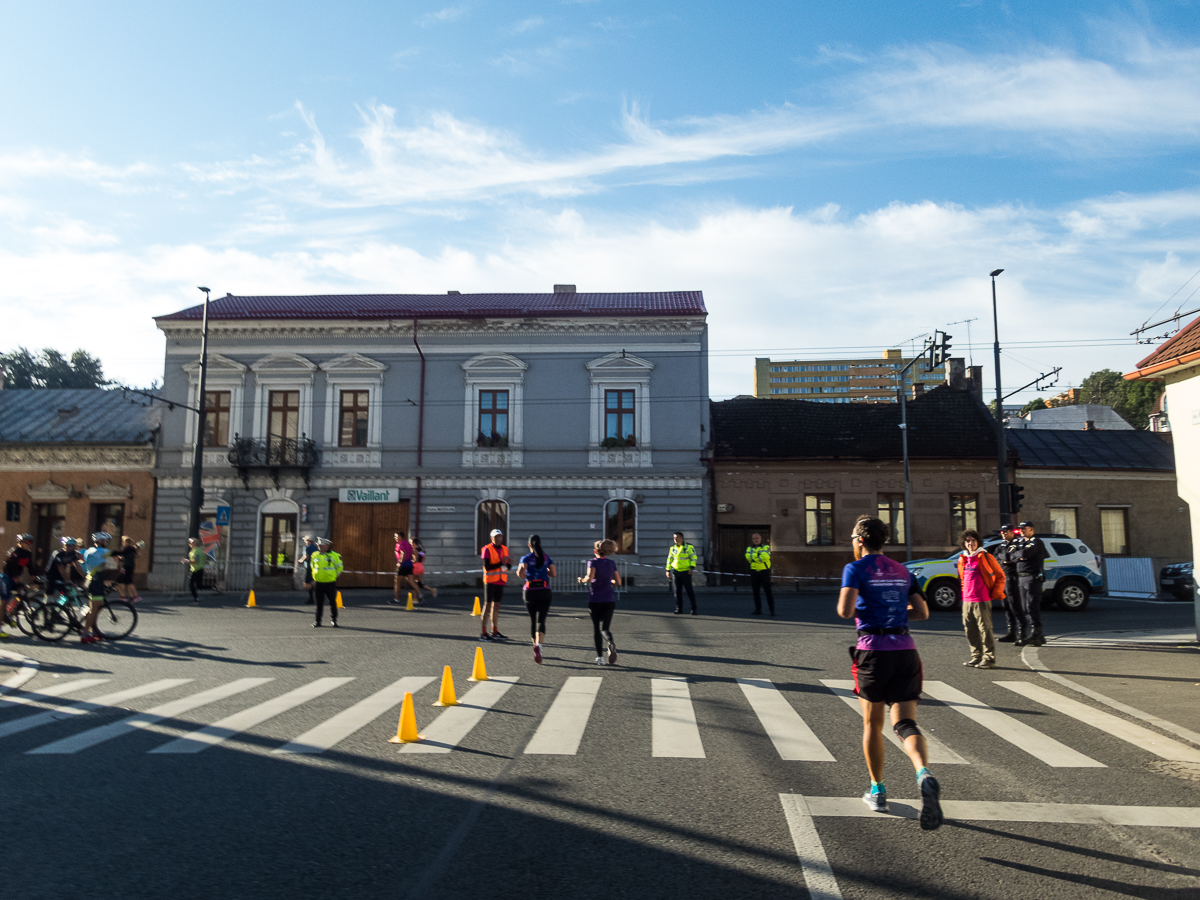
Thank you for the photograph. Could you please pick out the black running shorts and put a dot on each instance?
(492, 593)
(886, 676)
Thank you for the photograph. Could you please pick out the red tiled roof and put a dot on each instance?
(1183, 347)
(447, 306)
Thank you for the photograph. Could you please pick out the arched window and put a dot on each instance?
(490, 514)
(620, 524)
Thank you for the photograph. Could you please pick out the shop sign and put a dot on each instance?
(369, 495)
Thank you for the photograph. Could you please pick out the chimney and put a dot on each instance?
(956, 373)
(1089, 425)
(564, 289)
(975, 380)
(917, 390)
(453, 293)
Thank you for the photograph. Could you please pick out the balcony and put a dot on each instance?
(273, 454)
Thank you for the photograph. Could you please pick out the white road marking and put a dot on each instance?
(673, 729)
(814, 864)
(563, 725)
(1016, 732)
(99, 735)
(938, 752)
(336, 729)
(1141, 737)
(790, 734)
(223, 729)
(16, 726)
(34, 698)
(455, 722)
(1003, 811)
(23, 675)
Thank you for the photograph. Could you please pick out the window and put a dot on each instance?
(48, 528)
(1062, 521)
(283, 420)
(891, 511)
(618, 417)
(278, 543)
(352, 428)
(216, 418)
(818, 519)
(491, 514)
(109, 517)
(1114, 532)
(12, 511)
(620, 524)
(964, 514)
(1062, 548)
(493, 419)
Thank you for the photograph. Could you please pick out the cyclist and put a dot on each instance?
(18, 566)
(64, 567)
(97, 562)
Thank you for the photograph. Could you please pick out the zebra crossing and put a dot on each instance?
(675, 728)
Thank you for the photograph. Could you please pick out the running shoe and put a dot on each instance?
(334, 623)
(316, 624)
(393, 600)
(600, 661)
(931, 806)
(537, 653)
(90, 639)
(497, 636)
(484, 636)
(612, 652)
(986, 664)
(877, 800)
(135, 599)
(971, 662)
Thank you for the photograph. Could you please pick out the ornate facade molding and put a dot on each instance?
(108, 492)
(34, 458)
(351, 459)
(493, 458)
(619, 459)
(473, 483)
(50, 492)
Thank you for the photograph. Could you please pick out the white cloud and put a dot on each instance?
(526, 25)
(449, 14)
(16, 168)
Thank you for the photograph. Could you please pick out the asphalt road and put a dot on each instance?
(101, 819)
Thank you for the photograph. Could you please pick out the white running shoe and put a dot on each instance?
(877, 800)
(601, 661)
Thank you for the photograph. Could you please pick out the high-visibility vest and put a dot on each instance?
(326, 567)
(681, 558)
(759, 557)
(494, 555)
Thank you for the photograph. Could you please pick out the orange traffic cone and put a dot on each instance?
(250, 604)
(339, 600)
(476, 610)
(479, 671)
(446, 697)
(409, 605)
(406, 730)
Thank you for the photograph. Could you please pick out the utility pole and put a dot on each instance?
(198, 451)
(938, 353)
(1001, 437)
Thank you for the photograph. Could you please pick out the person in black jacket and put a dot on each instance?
(1006, 555)
(1031, 558)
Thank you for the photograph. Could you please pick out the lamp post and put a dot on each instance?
(198, 450)
(1001, 437)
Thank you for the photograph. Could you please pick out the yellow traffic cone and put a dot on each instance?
(250, 604)
(409, 605)
(406, 730)
(476, 610)
(339, 600)
(446, 696)
(479, 672)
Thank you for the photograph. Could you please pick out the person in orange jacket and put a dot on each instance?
(982, 581)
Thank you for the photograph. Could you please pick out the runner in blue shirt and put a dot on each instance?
(602, 580)
(882, 596)
(537, 569)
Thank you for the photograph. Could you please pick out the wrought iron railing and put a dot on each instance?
(273, 453)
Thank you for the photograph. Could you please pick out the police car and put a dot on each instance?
(1072, 574)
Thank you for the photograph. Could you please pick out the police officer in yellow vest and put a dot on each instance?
(680, 562)
(758, 555)
(326, 567)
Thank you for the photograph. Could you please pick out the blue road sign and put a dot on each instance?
(223, 513)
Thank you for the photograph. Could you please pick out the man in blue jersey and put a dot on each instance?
(882, 596)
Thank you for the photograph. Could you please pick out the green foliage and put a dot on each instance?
(1131, 400)
(50, 369)
(1035, 403)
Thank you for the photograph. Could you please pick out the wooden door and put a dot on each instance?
(734, 539)
(362, 534)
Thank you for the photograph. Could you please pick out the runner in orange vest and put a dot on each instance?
(495, 575)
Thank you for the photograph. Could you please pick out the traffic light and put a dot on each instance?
(1016, 496)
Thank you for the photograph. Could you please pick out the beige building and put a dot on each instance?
(838, 380)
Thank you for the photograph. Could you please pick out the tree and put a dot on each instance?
(1035, 403)
(1131, 400)
(50, 369)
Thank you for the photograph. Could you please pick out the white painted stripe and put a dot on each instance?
(790, 734)
(223, 729)
(23, 675)
(455, 722)
(673, 729)
(1016, 732)
(938, 752)
(814, 864)
(99, 735)
(35, 698)
(563, 725)
(997, 811)
(336, 729)
(16, 726)
(1141, 737)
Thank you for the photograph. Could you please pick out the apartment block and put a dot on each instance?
(872, 380)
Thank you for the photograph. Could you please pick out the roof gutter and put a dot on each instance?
(1158, 368)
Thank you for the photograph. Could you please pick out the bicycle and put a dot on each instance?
(58, 616)
(26, 598)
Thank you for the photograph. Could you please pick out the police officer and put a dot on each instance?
(326, 567)
(681, 560)
(1031, 556)
(1006, 555)
(758, 555)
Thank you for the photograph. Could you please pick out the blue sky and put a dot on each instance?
(837, 178)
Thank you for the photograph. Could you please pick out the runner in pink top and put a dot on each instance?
(405, 557)
(982, 580)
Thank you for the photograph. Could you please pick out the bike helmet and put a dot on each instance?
(22, 538)
(101, 536)
(69, 542)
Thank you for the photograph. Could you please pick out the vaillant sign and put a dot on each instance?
(369, 495)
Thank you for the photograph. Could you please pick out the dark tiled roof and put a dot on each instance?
(74, 416)
(1187, 341)
(942, 424)
(1091, 450)
(447, 306)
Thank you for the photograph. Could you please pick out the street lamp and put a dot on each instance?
(1001, 437)
(198, 450)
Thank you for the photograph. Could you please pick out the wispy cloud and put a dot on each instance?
(40, 164)
(449, 14)
(526, 25)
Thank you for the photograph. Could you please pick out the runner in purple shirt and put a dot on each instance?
(601, 578)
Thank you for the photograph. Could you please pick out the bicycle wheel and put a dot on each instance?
(50, 622)
(116, 619)
(24, 609)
